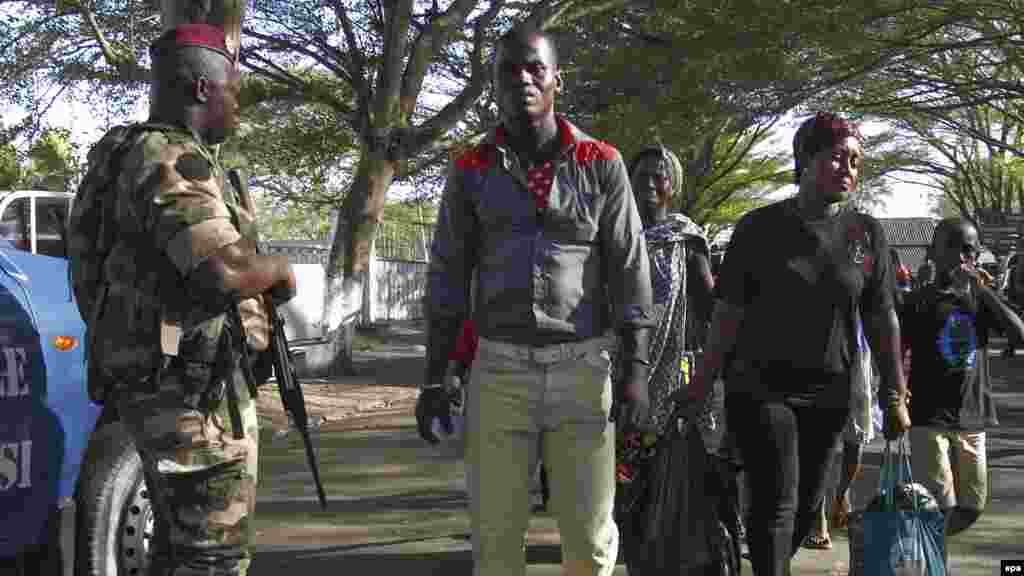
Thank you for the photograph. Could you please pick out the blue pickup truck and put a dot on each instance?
(72, 497)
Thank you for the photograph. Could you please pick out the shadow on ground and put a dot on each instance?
(349, 559)
(388, 370)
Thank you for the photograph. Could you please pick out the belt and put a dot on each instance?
(551, 354)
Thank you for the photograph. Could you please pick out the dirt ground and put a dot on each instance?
(396, 503)
(389, 370)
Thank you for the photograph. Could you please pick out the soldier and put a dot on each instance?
(166, 349)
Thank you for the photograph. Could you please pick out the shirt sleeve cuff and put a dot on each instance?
(192, 246)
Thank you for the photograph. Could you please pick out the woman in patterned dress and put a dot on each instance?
(683, 285)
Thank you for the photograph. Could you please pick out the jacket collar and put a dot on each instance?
(568, 135)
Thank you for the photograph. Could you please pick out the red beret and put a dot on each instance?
(197, 34)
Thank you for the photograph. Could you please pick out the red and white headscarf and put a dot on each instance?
(823, 130)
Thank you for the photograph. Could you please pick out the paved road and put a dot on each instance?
(399, 507)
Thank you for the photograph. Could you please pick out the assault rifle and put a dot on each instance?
(291, 394)
(284, 365)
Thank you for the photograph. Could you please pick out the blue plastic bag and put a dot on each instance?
(900, 536)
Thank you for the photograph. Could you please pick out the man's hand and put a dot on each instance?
(633, 403)
(433, 403)
(985, 278)
(286, 289)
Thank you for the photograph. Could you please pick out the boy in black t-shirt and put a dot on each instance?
(946, 325)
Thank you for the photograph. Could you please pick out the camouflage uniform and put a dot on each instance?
(172, 211)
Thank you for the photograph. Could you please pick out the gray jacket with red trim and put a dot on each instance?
(573, 270)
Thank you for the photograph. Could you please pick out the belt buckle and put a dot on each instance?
(544, 354)
(569, 351)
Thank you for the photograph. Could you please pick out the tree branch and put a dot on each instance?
(356, 61)
(389, 76)
(273, 71)
(587, 8)
(284, 43)
(452, 112)
(428, 44)
(738, 157)
(125, 64)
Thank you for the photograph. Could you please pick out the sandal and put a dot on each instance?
(818, 542)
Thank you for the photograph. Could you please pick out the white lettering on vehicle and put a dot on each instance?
(15, 465)
(12, 373)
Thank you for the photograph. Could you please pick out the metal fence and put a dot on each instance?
(397, 241)
(397, 275)
(404, 241)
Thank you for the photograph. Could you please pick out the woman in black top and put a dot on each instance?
(796, 279)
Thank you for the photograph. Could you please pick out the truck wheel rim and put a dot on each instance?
(136, 533)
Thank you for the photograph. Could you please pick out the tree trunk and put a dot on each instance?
(350, 248)
(364, 206)
(341, 350)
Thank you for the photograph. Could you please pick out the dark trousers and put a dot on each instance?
(785, 448)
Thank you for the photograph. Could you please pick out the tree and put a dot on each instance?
(406, 79)
(971, 175)
(10, 168)
(295, 150)
(49, 163)
(942, 59)
(672, 73)
(414, 70)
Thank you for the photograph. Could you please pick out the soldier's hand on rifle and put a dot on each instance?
(286, 289)
(433, 402)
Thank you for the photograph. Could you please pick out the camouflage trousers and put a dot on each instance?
(201, 479)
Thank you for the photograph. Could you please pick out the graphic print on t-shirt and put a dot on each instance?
(858, 247)
(958, 340)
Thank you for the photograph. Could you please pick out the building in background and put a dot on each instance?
(910, 237)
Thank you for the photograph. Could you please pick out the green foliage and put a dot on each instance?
(292, 222)
(10, 169)
(735, 171)
(730, 211)
(410, 211)
(972, 171)
(298, 152)
(50, 163)
(340, 86)
(53, 159)
(405, 222)
(709, 81)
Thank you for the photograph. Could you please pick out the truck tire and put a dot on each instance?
(115, 520)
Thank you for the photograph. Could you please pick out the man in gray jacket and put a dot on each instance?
(543, 216)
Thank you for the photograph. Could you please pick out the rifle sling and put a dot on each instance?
(230, 359)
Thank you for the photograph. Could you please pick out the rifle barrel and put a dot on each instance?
(294, 402)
